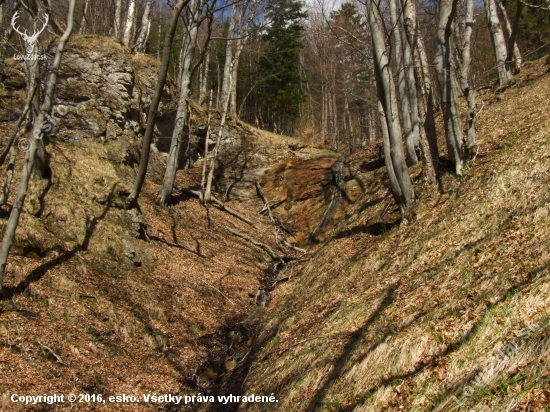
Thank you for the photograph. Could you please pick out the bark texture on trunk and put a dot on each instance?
(225, 94)
(466, 84)
(499, 44)
(181, 127)
(143, 34)
(155, 100)
(204, 77)
(411, 86)
(513, 55)
(45, 110)
(118, 20)
(83, 22)
(410, 139)
(400, 181)
(426, 124)
(447, 87)
(129, 25)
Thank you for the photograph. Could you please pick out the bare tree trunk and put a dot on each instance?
(206, 142)
(226, 88)
(513, 54)
(400, 181)
(499, 44)
(466, 85)
(204, 77)
(118, 20)
(84, 20)
(129, 25)
(155, 100)
(426, 124)
(233, 99)
(46, 108)
(182, 118)
(449, 95)
(410, 139)
(143, 35)
(411, 86)
(160, 30)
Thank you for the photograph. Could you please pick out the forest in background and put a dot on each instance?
(343, 76)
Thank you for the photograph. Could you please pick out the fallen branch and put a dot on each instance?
(265, 247)
(272, 206)
(267, 207)
(221, 205)
(219, 291)
(56, 356)
(278, 226)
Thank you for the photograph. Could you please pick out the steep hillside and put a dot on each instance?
(449, 313)
(101, 300)
(369, 316)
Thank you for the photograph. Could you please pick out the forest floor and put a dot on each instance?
(449, 313)
(95, 302)
(377, 318)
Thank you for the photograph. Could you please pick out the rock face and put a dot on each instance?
(107, 91)
(307, 188)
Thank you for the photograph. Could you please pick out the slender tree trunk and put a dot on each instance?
(410, 139)
(159, 31)
(182, 117)
(129, 25)
(499, 44)
(400, 181)
(118, 20)
(426, 124)
(449, 95)
(45, 110)
(233, 99)
(204, 77)
(143, 34)
(226, 88)
(83, 22)
(155, 100)
(466, 85)
(206, 142)
(513, 49)
(411, 86)
(513, 55)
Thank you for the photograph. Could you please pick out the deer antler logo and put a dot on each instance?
(30, 41)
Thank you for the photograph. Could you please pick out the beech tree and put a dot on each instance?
(117, 20)
(155, 100)
(410, 138)
(426, 124)
(504, 70)
(400, 181)
(45, 110)
(145, 28)
(239, 24)
(129, 24)
(192, 18)
(468, 88)
(447, 86)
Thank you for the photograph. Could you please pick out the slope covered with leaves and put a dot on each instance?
(456, 304)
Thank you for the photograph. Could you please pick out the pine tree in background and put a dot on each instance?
(280, 93)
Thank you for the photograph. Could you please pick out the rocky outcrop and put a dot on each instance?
(107, 91)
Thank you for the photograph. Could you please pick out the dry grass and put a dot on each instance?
(117, 327)
(404, 319)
